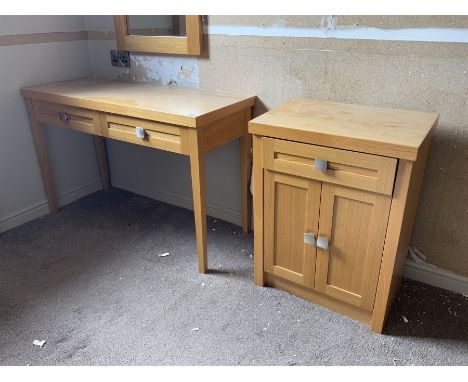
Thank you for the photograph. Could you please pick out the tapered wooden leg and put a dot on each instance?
(258, 210)
(197, 166)
(102, 162)
(246, 167)
(41, 149)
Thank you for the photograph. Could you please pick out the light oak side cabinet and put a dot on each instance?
(335, 190)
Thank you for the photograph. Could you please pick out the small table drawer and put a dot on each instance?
(146, 133)
(83, 120)
(348, 168)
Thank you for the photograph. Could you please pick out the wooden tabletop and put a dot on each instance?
(388, 132)
(186, 107)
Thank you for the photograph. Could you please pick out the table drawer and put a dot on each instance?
(83, 120)
(348, 168)
(158, 135)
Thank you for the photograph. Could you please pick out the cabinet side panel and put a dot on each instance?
(400, 228)
(257, 191)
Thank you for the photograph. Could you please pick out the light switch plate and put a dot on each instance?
(120, 58)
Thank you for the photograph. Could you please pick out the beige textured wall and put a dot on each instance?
(426, 76)
(412, 75)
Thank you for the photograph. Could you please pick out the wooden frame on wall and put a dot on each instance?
(191, 44)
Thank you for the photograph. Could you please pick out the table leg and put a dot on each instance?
(41, 149)
(102, 162)
(246, 168)
(197, 167)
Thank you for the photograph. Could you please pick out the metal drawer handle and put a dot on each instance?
(140, 132)
(309, 238)
(321, 165)
(322, 242)
(64, 116)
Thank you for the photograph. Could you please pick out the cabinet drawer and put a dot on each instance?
(358, 170)
(158, 135)
(83, 120)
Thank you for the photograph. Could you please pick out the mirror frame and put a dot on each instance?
(192, 44)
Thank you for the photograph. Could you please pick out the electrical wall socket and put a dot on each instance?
(120, 58)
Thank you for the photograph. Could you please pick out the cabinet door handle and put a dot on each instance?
(322, 242)
(140, 132)
(309, 238)
(64, 116)
(321, 165)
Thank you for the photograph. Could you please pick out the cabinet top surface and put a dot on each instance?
(382, 131)
(187, 107)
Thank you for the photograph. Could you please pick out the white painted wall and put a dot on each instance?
(11, 25)
(101, 23)
(72, 155)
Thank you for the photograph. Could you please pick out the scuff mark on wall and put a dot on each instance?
(163, 70)
(328, 23)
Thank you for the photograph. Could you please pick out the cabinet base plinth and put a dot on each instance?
(319, 298)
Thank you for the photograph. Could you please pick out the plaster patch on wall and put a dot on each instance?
(329, 29)
(328, 23)
(163, 70)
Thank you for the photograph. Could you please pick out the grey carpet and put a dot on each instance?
(90, 281)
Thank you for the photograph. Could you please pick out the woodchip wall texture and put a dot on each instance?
(412, 62)
(425, 76)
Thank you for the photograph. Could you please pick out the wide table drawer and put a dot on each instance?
(348, 168)
(83, 120)
(146, 133)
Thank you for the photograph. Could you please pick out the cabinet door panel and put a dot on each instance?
(291, 208)
(355, 223)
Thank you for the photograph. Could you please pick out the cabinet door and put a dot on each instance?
(291, 209)
(355, 223)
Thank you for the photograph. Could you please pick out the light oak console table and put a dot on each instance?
(184, 121)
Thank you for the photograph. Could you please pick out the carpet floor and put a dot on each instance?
(91, 282)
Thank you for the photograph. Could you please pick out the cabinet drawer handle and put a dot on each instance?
(64, 116)
(321, 165)
(322, 242)
(309, 238)
(140, 132)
